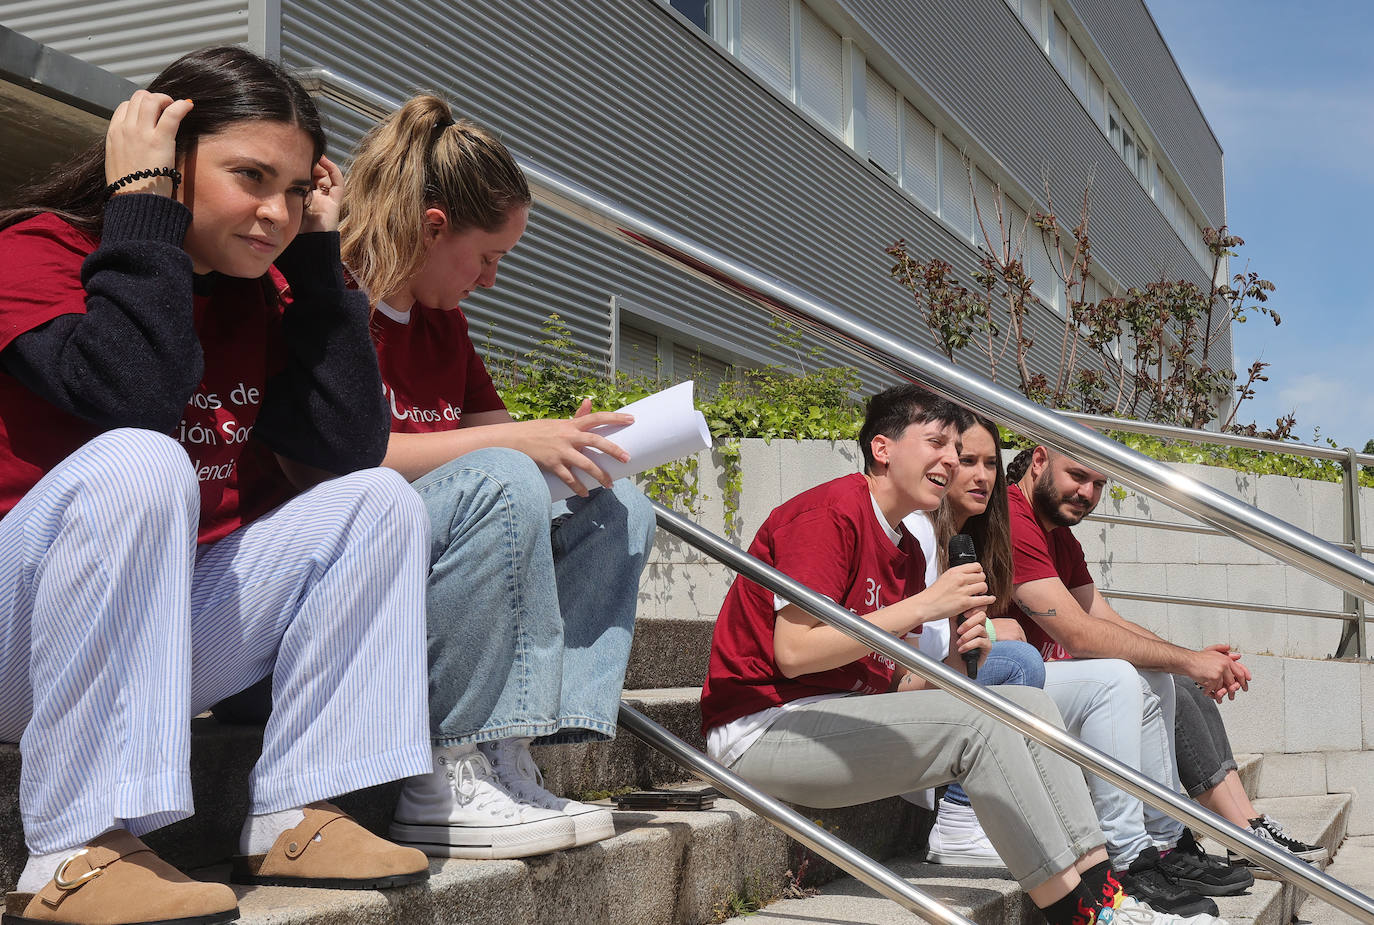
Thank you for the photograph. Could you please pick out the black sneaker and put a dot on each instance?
(1266, 829)
(1145, 881)
(1200, 872)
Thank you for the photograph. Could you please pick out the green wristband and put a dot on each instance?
(992, 632)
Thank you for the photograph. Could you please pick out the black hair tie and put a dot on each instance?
(171, 172)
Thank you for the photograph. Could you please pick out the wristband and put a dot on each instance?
(170, 172)
(992, 632)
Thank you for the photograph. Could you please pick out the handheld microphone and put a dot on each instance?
(962, 552)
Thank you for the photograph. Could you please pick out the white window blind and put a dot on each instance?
(1018, 229)
(1097, 95)
(985, 199)
(1039, 266)
(955, 206)
(765, 41)
(882, 122)
(1032, 13)
(920, 173)
(821, 89)
(1059, 45)
(690, 363)
(1079, 64)
(637, 353)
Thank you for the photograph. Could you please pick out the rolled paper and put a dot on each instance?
(667, 426)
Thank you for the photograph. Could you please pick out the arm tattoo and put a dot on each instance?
(1042, 613)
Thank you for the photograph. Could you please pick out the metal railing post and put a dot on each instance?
(1266, 854)
(1357, 632)
(841, 853)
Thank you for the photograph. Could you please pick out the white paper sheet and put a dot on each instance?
(667, 426)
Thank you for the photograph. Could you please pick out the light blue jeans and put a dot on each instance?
(1009, 661)
(531, 605)
(1128, 714)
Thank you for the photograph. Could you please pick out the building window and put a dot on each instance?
(1097, 93)
(920, 162)
(698, 12)
(765, 41)
(882, 101)
(1059, 46)
(659, 356)
(821, 65)
(956, 206)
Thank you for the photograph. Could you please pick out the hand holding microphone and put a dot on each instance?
(962, 552)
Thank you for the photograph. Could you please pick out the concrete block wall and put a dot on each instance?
(1314, 723)
(678, 585)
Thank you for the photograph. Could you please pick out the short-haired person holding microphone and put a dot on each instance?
(813, 717)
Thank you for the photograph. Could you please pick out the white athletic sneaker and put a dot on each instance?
(520, 776)
(460, 810)
(1134, 912)
(958, 838)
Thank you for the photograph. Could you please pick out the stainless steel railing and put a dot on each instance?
(1145, 475)
(1353, 609)
(1128, 779)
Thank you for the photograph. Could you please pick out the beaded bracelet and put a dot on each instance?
(148, 174)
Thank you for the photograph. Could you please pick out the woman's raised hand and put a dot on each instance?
(326, 193)
(556, 444)
(956, 591)
(143, 136)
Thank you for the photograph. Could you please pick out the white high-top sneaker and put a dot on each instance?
(460, 810)
(517, 772)
(958, 838)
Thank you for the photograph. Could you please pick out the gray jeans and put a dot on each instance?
(848, 750)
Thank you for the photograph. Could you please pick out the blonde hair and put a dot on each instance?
(419, 158)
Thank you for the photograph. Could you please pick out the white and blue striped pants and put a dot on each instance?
(115, 630)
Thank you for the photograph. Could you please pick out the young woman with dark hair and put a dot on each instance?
(976, 506)
(143, 577)
(531, 605)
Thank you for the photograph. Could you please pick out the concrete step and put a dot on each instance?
(1354, 865)
(222, 756)
(678, 868)
(669, 652)
(990, 898)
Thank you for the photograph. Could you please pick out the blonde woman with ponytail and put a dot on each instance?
(530, 604)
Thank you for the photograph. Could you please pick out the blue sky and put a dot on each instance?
(1289, 91)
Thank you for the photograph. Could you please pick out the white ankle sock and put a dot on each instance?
(260, 832)
(40, 868)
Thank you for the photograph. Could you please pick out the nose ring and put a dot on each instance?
(272, 226)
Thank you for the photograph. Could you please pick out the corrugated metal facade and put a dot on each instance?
(627, 98)
(1127, 35)
(977, 61)
(132, 38)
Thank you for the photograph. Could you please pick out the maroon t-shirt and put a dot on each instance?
(431, 373)
(830, 540)
(239, 331)
(1037, 554)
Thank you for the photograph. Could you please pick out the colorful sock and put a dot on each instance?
(1100, 882)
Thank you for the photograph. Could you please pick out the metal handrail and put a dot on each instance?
(1266, 854)
(1190, 435)
(841, 853)
(1285, 542)
(1151, 598)
(1150, 477)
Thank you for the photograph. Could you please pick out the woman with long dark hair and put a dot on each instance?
(976, 506)
(172, 528)
(1104, 702)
